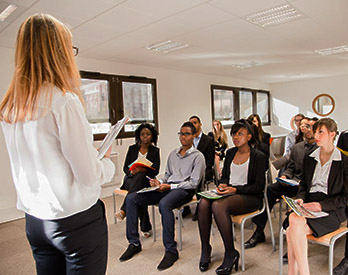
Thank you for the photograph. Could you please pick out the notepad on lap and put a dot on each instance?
(287, 181)
(141, 162)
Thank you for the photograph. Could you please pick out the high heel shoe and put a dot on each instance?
(221, 270)
(204, 266)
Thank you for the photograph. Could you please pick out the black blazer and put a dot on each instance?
(342, 142)
(337, 185)
(153, 155)
(256, 172)
(264, 146)
(207, 147)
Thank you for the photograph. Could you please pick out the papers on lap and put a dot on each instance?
(301, 211)
(287, 181)
(110, 136)
(212, 195)
(148, 189)
(141, 162)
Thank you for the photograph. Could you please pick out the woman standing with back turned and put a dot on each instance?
(55, 167)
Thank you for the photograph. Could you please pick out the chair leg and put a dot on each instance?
(153, 223)
(271, 227)
(114, 203)
(180, 228)
(242, 243)
(281, 234)
(280, 214)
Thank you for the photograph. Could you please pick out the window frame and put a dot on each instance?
(236, 101)
(116, 107)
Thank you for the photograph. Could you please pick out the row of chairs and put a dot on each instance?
(327, 240)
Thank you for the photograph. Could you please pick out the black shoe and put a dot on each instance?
(285, 258)
(342, 268)
(221, 270)
(130, 252)
(168, 260)
(204, 266)
(257, 237)
(186, 211)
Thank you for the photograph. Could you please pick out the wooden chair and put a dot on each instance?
(241, 219)
(327, 240)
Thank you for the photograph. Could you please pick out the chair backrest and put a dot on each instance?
(268, 180)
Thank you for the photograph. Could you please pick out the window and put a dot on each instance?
(108, 98)
(232, 103)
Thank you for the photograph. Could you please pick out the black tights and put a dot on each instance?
(222, 209)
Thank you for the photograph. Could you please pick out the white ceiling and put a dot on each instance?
(216, 31)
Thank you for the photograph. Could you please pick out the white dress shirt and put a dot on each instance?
(321, 172)
(55, 167)
(197, 139)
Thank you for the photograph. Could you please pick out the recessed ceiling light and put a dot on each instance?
(247, 65)
(167, 46)
(7, 12)
(275, 16)
(334, 50)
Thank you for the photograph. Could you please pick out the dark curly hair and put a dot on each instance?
(152, 129)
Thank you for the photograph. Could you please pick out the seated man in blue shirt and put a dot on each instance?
(184, 171)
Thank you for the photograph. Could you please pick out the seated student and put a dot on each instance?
(204, 144)
(323, 187)
(184, 171)
(243, 176)
(263, 137)
(342, 268)
(293, 171)
(290, 138)
(135, 180)
(302, 129)
(221, 144)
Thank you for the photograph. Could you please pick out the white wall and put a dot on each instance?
(180, 95)
(293, 97)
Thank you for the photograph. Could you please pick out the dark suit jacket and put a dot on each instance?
(264, 146)
(207, 147)
(153, 155)
(256, 172)
(294, 168)
(342, 142)
(337, 185)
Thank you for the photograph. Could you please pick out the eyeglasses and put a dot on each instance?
(185, 134)
(75, 50)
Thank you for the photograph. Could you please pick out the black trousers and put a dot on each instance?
(74, 245)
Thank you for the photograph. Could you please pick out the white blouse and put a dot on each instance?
(55, 167)
(239, 173)
(321, 172)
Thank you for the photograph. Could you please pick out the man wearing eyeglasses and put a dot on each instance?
(184, 171)
(290, 138)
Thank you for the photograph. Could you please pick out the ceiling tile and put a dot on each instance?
(158, 9)
(200, 17)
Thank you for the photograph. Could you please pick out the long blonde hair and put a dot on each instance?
(43, 57)
(223, 136)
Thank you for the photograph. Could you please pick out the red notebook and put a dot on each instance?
(141, 162)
